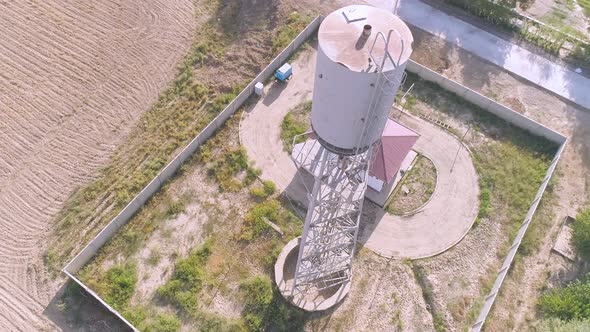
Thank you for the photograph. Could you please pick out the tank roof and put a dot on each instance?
(341, 37)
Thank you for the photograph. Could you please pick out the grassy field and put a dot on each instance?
(296, 122)
(212, 269)
(182, 110)
(511, 165)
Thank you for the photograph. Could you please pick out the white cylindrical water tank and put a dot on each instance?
(351, 102)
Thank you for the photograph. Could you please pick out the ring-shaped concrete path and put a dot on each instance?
(441, 224)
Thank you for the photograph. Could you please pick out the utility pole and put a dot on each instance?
(459, 149)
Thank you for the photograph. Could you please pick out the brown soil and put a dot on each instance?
(74, 77)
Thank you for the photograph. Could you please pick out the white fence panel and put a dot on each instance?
(486, 103)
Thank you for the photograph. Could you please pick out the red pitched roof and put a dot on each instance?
(396, 142)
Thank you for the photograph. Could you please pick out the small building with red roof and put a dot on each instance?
(392, 157)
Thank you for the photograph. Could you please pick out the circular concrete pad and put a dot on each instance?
(315, 301)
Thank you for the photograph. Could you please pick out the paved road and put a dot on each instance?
(440, 225)
(513, 58)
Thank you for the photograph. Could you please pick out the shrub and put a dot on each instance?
(188, 280)
(581, 234)
(226, 168)
(165, 323)
(268, 188)
(567, 303)
(120, 284)
(255, 224)
(266, 309)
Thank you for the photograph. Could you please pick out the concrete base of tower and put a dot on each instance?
(315, 299)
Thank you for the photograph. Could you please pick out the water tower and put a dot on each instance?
(361, 58)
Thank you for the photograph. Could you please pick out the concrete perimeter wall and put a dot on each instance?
(486, 103)
(518, 120)
(491, 106)
(138, 201)
(491, 297)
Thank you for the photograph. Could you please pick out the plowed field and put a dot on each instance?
(74, 77)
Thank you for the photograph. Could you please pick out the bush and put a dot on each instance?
(254, 219)
(226, 168)
(570, 302)
(120, 283)
(188, 280)
(581, 234)
(266, 309)
(268, 188)
(165, 323)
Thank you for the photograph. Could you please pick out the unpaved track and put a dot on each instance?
(74, 77)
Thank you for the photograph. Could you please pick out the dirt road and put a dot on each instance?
(74, 77)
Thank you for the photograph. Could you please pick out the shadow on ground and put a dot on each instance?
(73, 309)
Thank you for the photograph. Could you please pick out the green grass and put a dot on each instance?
(511, 165)
(165, 323)
(116, 286)
(189, 277)
(179, 114)
(225, 170)
(261, 193)
(200, 273)
(288, 31)
(296, 122)
(420, 274)
(254, 221)
(557, 19)
(586, 5)
(581, 234)
(567, 303)
(539, 35)
(265, 309)
(558, 325)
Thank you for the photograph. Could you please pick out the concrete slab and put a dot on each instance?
(562, 244)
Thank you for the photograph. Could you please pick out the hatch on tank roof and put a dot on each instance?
(341, 37)
(354, 13)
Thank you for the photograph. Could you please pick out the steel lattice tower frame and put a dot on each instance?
(340, 165)
(332, 221)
